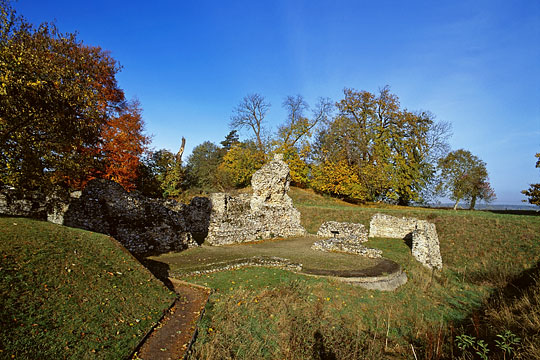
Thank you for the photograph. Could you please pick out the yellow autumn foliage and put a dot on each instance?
(339, 179)
(239, 164)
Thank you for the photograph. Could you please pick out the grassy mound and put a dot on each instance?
(69, 293)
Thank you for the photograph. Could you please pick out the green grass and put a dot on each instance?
(69, 293)
(293, 316)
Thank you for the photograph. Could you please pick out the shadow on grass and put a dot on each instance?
(506, 301)
(160, 270)
(319, 350)
(521, 283)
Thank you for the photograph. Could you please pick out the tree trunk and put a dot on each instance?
(473, 203)
(403, 201)
(456, 204)
(181, 151)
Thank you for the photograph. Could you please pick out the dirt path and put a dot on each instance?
(173, 336)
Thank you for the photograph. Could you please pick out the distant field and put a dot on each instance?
(496, 207)
(69, 293)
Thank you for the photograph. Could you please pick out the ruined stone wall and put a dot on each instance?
(343, 230)
(425, 241)
(141, 224)
(388, 226)
(267, 213)
(30, 204)
(145, 225)
(344, 237)
(425, 246)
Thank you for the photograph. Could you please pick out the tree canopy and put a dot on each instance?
(202, 165)
(533, 192)
(250, 113)
(64, 120)
(464, 177)
(63, 117)
(390, 150)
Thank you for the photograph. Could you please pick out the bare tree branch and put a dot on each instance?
(250, 114)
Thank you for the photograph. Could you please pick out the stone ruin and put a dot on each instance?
(425, 246)
(346, 245)
(347, 237)
(423, 235)
(267, 213)
(344, 237)
(144, 225)
(387, 226)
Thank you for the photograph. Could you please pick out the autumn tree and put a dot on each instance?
(392, 149)
(59, 100)
(339, 179)
(250, 114)
(239, 164)
(533, 192)
(147, 182)
(464, 177)
(162, 174)
(123, 144)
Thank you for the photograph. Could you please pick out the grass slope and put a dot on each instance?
(69, 293)
(270, 313)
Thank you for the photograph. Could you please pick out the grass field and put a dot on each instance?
(270, 313)
(72, 294)
(69, 293)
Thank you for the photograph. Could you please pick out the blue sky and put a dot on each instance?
(475, 64)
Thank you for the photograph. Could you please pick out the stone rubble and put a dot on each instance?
(271, 261)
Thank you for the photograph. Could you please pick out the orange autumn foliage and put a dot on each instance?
(123, 144)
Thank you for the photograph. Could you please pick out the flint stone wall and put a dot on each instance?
(141, 224)
(425, 241)
(30, 204)
(268, 213)
(343, 230)
(388, 226)
(144, 225)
